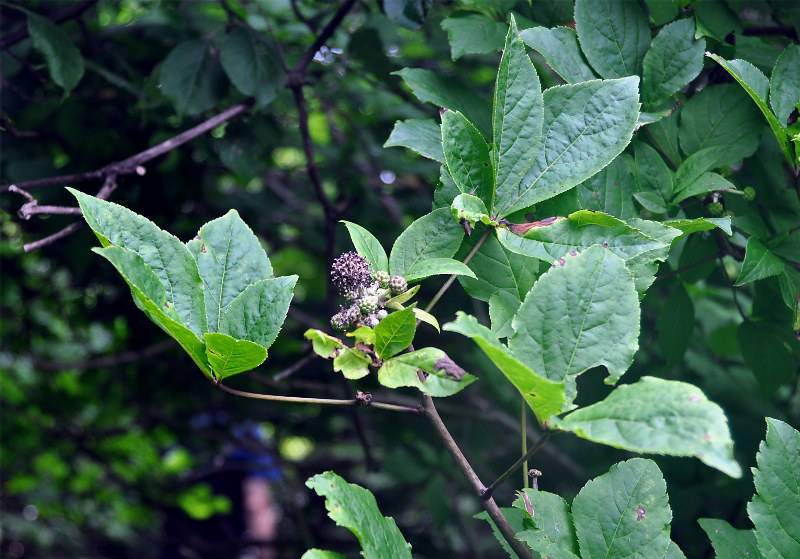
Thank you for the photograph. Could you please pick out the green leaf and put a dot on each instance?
(688, 226)
(516, 519)
(151, 297)
(554, 532)
(397, 301)
(721, 117)
(320, 554)
(355, 508)
(395, 333)
(675, 58)
(582, 313)
(662, 11)
(368, 246)
(437, 266)
(472, 209)
(759, 263)
(229, 258)
(774, 509)
(467, 156)
(192, 78)
(610, 190)
(503, 305)
(729, 542)
(624, 513)
(757, 87)
(570, 154)
(675, 325)
(766, 355)
(162, 252)
(583, 229)
(363, 334)
(426, 317)
(435, 235)
(252, 63)
(614, 36)
(498, 269)
(517, 115)
(422, 135)
(258, 313)
(652, 173)
(63, 59)
(471, 33)
(545, 397)
(443, 378)
(696, 164)
(784, 84)
(559, 47)
(658, 416)
(406, 13)
(707, 182)
(664, 134)
(352, 363)
(229, 356)
(450, 93)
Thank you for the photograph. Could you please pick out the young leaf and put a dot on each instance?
(774, 509)
(355, 508)
(517, 115)
(437, 266)
(784, 84)
(252, 63)
(614, 36)
(582, 313)
(320, 554)
(352, 363)
(162, 252)
(64, 60)
(728, 541)
(559, 47)
(422, 135)
(229, 356)
(554, 532)
(470, 33)
(151, 297)
(443, 378)
(368, 246)
(435, 235)
(395, 333)
(192, 78)
(471, 208)
(230, 259)
(658, 416)
(721, 117)
(759, 263)
(545, 397)
(443, 91)
(624, 513)
(570, 154)
(757, 87)
(257, 314)
(675, 58)
(467, 156)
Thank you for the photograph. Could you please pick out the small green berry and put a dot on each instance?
(382, 278)
(398, 285)
(715, 208)
(749, 194)
(368, 305)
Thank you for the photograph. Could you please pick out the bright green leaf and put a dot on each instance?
(443, 377)
(368, 246)
(614, 36)
(320, 554)
(64, 60)
(658, 416)
(472, 209)
(652, 173)
(688, 226)
(229, 356)
(774, 509)
(352, 363)
(355, 508)
(554, 532)
(624, 514)
(422, 135)
(258, 313)
(395, 333)
(437, 266)
(707, 182)
(503, 305)
(435, 235)
(560, 49)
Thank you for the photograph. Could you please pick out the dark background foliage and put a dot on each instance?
(112, 443)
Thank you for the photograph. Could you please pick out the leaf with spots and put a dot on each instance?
(355, 508)
(660, 417)
(624, 513)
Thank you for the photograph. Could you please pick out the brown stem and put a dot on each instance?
(297, 75)
(491, 507)
(531, 451)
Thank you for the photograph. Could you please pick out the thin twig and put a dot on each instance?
(106, 361)
(452, 278)
(65, 232)
(289, 371)
(491, 507)
(531, 451)
(297, 75)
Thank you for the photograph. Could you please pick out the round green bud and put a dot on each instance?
(715, 208)
(368, 305)
(749, 193)
(382, 278)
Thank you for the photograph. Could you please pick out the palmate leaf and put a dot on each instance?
(775, 509)
(658, 416)
(355, 508)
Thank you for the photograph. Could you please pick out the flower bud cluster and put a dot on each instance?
(366, 292)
